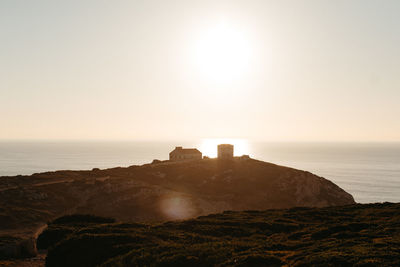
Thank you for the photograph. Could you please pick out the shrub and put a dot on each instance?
(82, 219)
(52, 235)
(89, 250)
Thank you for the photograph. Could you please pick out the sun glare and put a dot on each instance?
(176, 207)
(222, 53)
(209, 146)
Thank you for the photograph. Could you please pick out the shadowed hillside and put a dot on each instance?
(353, 235)
(159, 192)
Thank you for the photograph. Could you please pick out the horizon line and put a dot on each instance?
(3, 140)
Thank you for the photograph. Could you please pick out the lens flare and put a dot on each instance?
(176, 207)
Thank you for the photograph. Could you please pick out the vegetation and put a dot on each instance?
(352, 235)
(82, 219)
(140, 193)
(63, 226)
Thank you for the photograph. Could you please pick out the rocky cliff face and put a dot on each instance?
(162, 191)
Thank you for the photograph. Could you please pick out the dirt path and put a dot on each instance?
(54, 182)
(8, 188)
(39, 184)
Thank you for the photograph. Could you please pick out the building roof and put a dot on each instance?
(185, 151)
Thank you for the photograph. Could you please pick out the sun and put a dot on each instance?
(222, 53)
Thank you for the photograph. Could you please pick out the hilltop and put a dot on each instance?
(159, 192)
(352, 235)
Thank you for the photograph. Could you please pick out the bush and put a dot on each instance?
(335, 236)
(89, 250)
(52, 235)
(82, 219)
(257, 261)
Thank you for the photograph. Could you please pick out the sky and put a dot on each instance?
(183, 70)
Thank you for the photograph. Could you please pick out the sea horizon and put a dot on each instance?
(367, 170)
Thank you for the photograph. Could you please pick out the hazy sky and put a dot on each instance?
(167, 70)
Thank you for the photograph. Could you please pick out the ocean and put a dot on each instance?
(368, 171)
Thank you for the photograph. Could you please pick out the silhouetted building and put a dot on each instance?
(225, 151)
(179, 154)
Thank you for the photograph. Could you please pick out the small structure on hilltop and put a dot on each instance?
(225, 151)
(180, 154)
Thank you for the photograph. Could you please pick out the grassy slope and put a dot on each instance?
(360, 235)
(137, 193)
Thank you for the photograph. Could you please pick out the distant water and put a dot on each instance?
(369, 171)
